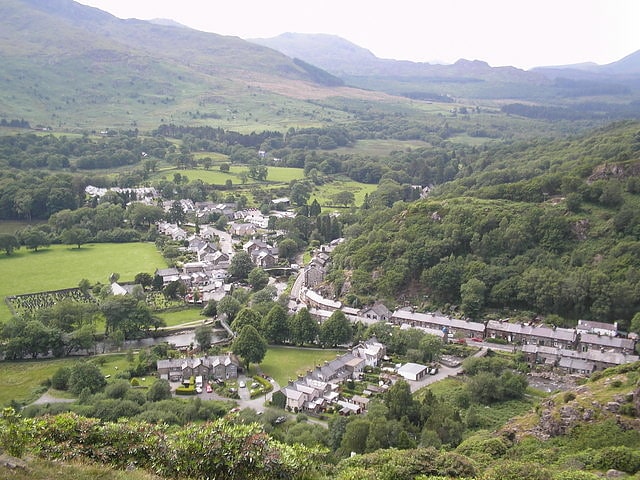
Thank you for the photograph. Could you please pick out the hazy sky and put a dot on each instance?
(522, 33)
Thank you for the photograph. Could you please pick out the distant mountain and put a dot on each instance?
(345, 59)
(629, 65)
(64, 63)
(626, 67)
(167, 22)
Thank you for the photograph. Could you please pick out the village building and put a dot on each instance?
(413, 371)
(591, 341)
(453, 326)
(242, 229)
(376, 313)
(222, 367)
(523, 334)
(597, 328)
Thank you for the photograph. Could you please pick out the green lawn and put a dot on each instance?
(62, 266)
(284, 363)
(179, 317)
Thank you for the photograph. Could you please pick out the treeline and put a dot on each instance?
(31, 151)
(580, 111)
(14, 123)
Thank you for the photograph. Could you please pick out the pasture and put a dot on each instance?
(63, 266)
(214, 176)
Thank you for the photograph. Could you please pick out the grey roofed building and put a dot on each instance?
(576, 365)
(590, 340)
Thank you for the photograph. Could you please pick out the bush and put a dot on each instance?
(511, 470)
(60, 379)
(185, 391)
(625, 459)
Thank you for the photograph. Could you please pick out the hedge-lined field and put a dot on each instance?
(62, 266)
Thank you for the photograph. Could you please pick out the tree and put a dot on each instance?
(204, 335)
(144, 279)
(299, 193)
(472, 294)
(86, 375)
(287, 248)
(303, 329)
(355, 436)
(210, 309)
(314, 208)
(245, 317)
(250, 345)
(635, 323)
(240, 266)
(336, 330)
(34, 238)
(275, 326)
(430, 346)
(258, 279)
(176, 213)
(344, 197)
(76, 236)
(159, 390)
(229, 306)
(8, 243)
(399, 401)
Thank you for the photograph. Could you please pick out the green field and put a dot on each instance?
(284, 363)
(214, 176)
(179, 317)
(61, 266)
(323, 193)
(22, 381)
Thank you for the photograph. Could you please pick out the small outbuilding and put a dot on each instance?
(413, 371)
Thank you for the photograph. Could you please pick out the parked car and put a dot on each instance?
(209, 389)
(241, 384)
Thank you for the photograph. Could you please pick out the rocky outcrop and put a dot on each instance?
(614, 170)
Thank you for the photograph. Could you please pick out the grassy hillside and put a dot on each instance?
(135, 74)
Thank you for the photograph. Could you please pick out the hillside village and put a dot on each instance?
(582, 350)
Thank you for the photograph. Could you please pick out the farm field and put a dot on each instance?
(214, 176)
(283, 363)
(62, 266)
(380, 147)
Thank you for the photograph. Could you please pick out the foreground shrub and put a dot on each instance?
(216, 449)
(625, 459)
(511, 470)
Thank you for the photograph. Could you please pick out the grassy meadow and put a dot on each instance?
(63, 266)
(214, 176)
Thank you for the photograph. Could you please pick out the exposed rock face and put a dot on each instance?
(606, 171)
